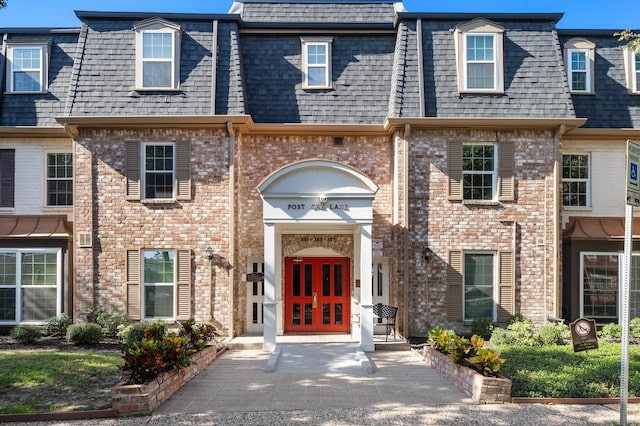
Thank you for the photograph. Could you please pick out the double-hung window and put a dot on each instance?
(479, 278)
(157, 55)
(59, 179)
(479, 52)
(158, 170)
(480, 60)
(575, 180)
(30, 285)
(636, 72)
(579, 59)
(316, 55)
(479, 173)
(159, 277)
(578, 70)
(7, 177)
(27, 70)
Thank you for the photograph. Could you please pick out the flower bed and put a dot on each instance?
(482, 389)
(144, 398)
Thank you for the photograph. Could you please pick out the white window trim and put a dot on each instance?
(315, 41)
(586, 71)
(494, 173)
(467, 62)
(632, 73)
(143, 171)
(583, 254)
(588, 206)
(494, 296)
(19, 287)
(145, 285)
(479, 26)
(44, 66)
(580, 45)
(46, 180)
(156, 25)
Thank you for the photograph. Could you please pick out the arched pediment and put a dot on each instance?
(312, 177)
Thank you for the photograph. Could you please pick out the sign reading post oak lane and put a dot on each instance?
(583, 334)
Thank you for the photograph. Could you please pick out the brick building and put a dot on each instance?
(285, 166)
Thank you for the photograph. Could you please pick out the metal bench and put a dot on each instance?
(388, 315)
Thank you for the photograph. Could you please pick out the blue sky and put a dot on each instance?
(583, 14)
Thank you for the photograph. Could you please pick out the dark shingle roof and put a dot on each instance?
(40, 109)
(106, 75)
(534, 81)
(316, 11)
(611, 106)
(361, 75)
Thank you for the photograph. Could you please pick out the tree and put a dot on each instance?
(3, 3)
(632, 39)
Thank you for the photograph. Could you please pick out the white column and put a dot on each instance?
(269, 306)
(366, 302)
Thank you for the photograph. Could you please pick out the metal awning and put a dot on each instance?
(35, 227)
(598, 228)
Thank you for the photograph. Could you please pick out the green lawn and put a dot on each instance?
(41, 380)
(558, 372)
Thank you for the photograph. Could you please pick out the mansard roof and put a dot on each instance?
(611, 105)
(39, 109)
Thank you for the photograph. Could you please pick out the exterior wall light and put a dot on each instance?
(209, 252)
(426, 253)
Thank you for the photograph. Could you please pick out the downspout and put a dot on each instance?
(231, 135)
(405, 220)
(420, 66)
(71, 247)
(214, 66)
(557, 152)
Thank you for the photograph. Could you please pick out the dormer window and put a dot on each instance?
(316, 62)
(632, 70)
(27, 67)
(157, 55)
(579, 58)
(479, 56)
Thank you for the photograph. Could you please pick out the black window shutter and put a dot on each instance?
(7, 177)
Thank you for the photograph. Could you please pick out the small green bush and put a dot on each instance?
(57, 325)
(523, 332)
(611, 332)
(634, 326)
(84, 334)
(483, 327)
(25, 334)
(502, 336)
(110, 322)
(198, 334)
(554, 334)
(458, 349)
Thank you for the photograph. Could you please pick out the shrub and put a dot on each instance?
(554, 334)
(25, 334)
(198, 334)
(483, 327)
(523, 333)
(128, 333)
(634, 326)
(57, 325)
(458, 349)
(611, 332)
(502, 336)
(111, 322)
(148, 352)
(84, 334)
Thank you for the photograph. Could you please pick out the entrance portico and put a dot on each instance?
(320, 198)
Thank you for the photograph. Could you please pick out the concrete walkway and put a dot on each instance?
(403, 390)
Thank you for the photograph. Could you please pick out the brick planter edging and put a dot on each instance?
(482, 389)
(143, 399)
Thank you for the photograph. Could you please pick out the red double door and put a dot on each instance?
(317, 294)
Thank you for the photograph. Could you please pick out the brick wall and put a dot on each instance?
(260, 156)
(118, 224)
(446, 225)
